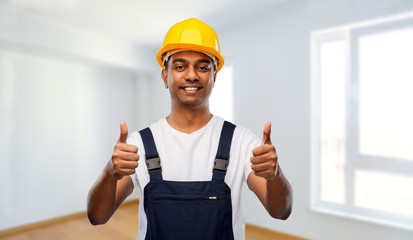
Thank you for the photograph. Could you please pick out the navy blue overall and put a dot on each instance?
(188, 210)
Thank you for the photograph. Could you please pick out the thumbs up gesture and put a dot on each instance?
(125, 156)
(264, 160)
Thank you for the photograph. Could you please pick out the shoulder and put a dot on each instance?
(246, 137)
(242, 136)
(135, 138)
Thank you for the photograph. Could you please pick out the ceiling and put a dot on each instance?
(143, 22)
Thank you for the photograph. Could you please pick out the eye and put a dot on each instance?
(204, 68)
(179, 67)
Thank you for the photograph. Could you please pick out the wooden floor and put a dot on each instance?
(122, 226)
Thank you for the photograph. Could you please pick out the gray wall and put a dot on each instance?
(58, 127)
(271, 60)
(63, 93)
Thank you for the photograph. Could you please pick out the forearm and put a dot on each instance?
(115, 184)
(278, 200)
(102, 198)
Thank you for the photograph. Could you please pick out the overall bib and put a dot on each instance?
(198, 210)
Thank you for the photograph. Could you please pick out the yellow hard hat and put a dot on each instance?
(191, 34)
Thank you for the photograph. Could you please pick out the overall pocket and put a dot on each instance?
(189, 217)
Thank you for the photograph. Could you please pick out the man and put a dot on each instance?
(194, 163)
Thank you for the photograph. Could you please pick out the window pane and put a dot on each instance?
(332, 74)
(385, 192)
(385, 94)
(221, 97)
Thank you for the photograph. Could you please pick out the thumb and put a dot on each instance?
(266, 134)
(123, 132)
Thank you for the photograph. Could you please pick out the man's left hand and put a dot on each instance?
(264, 160)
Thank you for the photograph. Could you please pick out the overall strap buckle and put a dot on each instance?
(153, 162)
(221, 164)
(224, 147)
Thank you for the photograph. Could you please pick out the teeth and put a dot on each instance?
(191, 88)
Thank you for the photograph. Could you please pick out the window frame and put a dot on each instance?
(354, 160)
(365, 161)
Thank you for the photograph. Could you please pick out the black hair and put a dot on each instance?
(165, 63)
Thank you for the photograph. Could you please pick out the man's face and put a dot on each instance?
(190, 77)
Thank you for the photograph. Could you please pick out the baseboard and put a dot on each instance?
(52, 221)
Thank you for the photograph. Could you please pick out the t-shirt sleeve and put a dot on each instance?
(135, 139)
(248, 141)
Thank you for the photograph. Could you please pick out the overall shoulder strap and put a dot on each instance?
(153, 162)
(222, 158)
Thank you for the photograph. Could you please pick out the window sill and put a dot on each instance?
(361, 218)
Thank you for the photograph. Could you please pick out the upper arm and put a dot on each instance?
(125, 186)
(248, 141)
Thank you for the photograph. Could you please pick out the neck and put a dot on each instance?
(188, 120)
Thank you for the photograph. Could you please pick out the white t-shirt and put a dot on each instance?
(190, 157)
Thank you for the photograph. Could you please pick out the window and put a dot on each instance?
(362, 122)
(221, 97)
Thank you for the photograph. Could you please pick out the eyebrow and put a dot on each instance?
(197, 62)
(203, 61)
(179, 60)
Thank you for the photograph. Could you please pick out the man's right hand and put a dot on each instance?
(125, 156)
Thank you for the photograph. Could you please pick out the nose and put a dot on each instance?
(191, 74)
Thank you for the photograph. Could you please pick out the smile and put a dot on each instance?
(191, 88)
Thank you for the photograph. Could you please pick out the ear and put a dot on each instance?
(164, 76)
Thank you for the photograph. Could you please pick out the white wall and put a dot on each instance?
(271, 60)
(44, 36)
(59, 119)
(63, 93)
